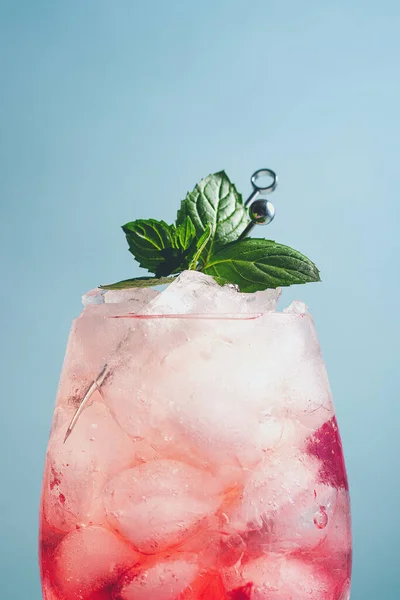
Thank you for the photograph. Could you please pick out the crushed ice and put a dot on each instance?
(192, 292)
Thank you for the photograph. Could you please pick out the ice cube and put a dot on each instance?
(209, 585)
(157, 505)
(208, 410)
(222, 434)
(116, 303)
(296, 307)
(93, 342)
(166, 580)
(274, 576)
(137, 298)
(335, 551)
(280, 479)
(263, 301)
(132, 298)
(191, 292)
(127, 398)
(90, 559)
(77, 470)
(293, 379)
(134, 393)
(95, 296)
(274, 433)
(196, 293)
(306, 523)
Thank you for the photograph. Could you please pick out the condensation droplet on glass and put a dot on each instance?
(321, 518)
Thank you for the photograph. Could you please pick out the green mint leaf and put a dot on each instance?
(258, 264)
(215, 201)
(200, 246)
(150, 241)
(185, 234)
(138, 282)
(160, 248)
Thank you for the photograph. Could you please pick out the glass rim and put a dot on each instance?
(192, 316)
(207, 316)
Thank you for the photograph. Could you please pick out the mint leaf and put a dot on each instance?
(200, 246)
(257, 264)
(148, 240)
(138, 282)
(215, 201)
(160, 248)
(185, 234)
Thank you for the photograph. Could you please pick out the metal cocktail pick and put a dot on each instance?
(261, 212)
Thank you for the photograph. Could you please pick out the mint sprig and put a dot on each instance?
(216, 202)
(207, 237)
(185, 234)
(257, 264)
(149, 241)
(138, 282)
(201, 245)
(160, 248)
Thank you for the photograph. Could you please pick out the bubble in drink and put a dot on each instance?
(321, 518)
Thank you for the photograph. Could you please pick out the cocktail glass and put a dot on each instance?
(194, 453)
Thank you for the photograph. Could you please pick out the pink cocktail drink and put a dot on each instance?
(206, 462)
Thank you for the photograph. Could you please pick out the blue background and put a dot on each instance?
(111, 111)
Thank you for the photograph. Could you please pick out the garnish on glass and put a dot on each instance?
(210, 235)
